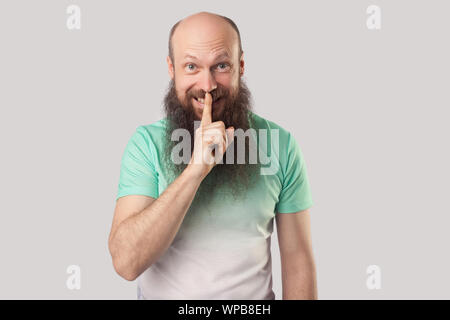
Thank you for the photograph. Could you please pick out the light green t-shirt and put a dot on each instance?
(222, 250)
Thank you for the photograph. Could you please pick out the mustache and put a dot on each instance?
(216, 94)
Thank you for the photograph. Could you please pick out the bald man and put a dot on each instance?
(201, 229)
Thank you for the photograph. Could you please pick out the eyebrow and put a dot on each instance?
(220, 56)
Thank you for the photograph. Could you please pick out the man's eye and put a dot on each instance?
(222, 66)
(190, 65)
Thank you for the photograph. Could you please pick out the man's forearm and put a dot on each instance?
(142, 238)
(299, 279)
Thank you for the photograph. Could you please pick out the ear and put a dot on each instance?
(241, 65)
(170, 67)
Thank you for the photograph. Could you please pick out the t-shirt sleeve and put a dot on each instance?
(296, 193)
(137, 172)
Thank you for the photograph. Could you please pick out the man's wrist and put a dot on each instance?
(192, 173)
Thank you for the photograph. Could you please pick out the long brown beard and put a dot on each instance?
(234, 177)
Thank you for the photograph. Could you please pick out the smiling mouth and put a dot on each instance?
(201, 101)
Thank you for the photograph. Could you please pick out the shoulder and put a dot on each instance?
(152, 132)
(283, 144)
(153, 129)
(273, 129)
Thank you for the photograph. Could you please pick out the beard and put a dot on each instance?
(233, 178)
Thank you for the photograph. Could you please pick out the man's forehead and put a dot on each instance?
(206, 35)
(222, 54)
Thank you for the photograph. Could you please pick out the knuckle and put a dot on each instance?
(207, 139)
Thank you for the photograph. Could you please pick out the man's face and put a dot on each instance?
(206, 61)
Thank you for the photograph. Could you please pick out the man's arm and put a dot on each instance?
(297, 260)
(138, 238)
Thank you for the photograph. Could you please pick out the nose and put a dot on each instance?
(207, 82)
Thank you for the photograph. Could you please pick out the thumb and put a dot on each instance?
(230, 135)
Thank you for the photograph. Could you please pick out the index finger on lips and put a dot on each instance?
(206, 115)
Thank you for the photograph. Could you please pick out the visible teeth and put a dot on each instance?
(201, 100)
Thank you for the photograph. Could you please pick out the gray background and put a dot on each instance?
(368, 108)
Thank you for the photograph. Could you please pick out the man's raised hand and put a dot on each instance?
(210, 142)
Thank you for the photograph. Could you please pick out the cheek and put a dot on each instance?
(184, 88)
(229, 81)
(226, 79)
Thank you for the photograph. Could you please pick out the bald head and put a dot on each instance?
(204, 27)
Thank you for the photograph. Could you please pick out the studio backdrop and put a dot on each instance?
(363, 86)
